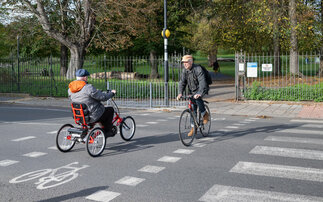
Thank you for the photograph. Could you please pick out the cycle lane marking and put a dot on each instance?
(295, 140)
(130, 181)
(169, 159)
(23, 138)
(103, 196)
(34, 154)
(7, 162)
(183, 151)
(151, 169)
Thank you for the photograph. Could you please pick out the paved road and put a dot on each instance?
(245, 159)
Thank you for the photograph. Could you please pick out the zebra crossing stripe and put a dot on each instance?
(103, 196)
(314, 132)
(288, 152)
(295, 140)
(23, 138)
(222, 193)
(282, 171)
(306, 121)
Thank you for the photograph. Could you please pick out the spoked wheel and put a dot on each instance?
(64, 140)
(95, 142)
(205, 128)
(127, 128)
(185, 127)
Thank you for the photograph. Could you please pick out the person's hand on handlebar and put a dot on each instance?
(179, 96)
(197, 96)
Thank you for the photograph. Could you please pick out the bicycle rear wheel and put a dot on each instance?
(95, 142)
(205, 128)
(127, 128)
(64, 140)
(185, 127)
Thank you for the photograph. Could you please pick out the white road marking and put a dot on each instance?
(143, 114)
(244, 122)
(169, 159)
(224, 130)
(314, 132)
(152, 122)
(130, 181)
(35, 154)
(249, 120)
(171, 117)
(161, 120)
(312, 126)
(207, 139)
(306, 121)
(183, 151)
(254, 118)
(23, 138)
(53, 148)
(238, 124)
(295, 140)
(52, 132)
(198, 144)
(141, 125)
(103, 196)
(282, 171)
(232, 127)
(218, 119)
(151, 169)
(7, 162)
(222, 193)
(288, 152)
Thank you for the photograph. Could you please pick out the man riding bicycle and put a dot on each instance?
(193, 77)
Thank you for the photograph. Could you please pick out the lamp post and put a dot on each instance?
(18, 77)
(165, 54)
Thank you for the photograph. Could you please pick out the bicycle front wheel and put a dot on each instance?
(205, 128)
(64, 140)
(95, 142)
(186, 135)
(127, 128)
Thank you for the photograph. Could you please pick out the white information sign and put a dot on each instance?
(267, 67)
(252, 69)
(241, 67)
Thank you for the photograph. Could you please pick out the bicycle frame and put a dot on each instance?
(190, 107)
(117, 119)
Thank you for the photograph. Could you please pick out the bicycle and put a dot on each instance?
(189, 119)
(95, 139)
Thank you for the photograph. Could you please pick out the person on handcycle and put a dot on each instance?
(193, 77)
(82, 92)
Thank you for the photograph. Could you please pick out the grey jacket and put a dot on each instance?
(194, 79)
(92, 97)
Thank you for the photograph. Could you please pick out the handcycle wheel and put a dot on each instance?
(127, 128)
(185, 126)
(95, 142)
(64, 141)
(205, 128)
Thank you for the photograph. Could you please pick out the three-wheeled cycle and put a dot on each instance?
(88, 134)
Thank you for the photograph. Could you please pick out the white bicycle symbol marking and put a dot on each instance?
(53, 179)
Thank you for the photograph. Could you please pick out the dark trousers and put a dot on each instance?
(200, 104)
(106, 119)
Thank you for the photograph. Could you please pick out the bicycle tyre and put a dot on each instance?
(127, 128)
(205, 128)
(95, 142)
(64, 137)
(185, 127)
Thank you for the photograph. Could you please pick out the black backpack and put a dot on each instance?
(207, 75)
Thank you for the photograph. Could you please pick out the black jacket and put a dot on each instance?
(194, 79)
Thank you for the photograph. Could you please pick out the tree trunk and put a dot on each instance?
(76, 61)
(153, 64)
(293, 63)
(128, 64)
(212, 57)
(276, 39)
(64, 60)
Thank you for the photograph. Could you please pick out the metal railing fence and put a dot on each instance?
(139, 81)
(269, 77)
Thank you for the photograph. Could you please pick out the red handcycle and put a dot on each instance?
(88, 134)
